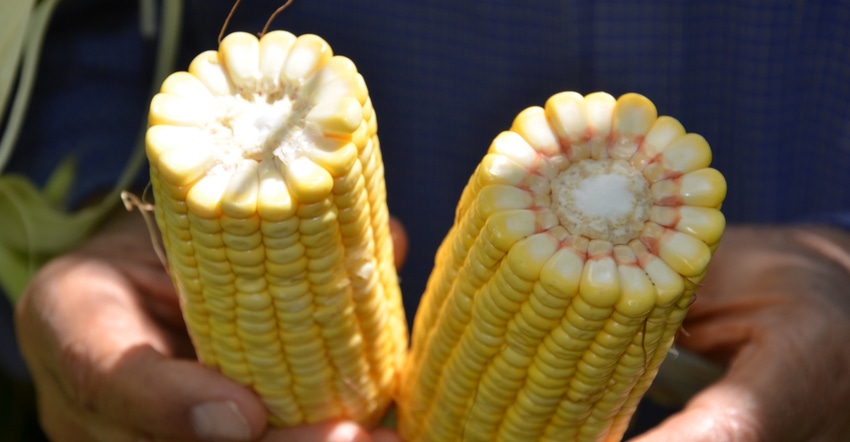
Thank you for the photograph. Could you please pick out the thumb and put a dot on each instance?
(722, 412)
(173, 399)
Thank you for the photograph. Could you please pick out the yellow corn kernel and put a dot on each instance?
(271, 203)
(562, 284)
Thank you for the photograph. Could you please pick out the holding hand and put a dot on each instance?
(102, 334)
(774, 308)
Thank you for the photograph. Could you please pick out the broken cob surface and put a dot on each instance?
(577, 247)
(270, 198)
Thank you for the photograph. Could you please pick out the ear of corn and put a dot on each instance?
(578, 244)
(270, 198)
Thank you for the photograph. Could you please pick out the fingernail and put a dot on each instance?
(220, 421)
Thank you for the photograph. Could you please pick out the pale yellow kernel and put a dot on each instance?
(239, 53)
(547, 300)
(250, 294)
(240, 197)
(280, 243)
(585, 315)
(184, 252)
(334, 155)
(499, 197)
(242, 242)
(633, 115)
(503, 229)
(180, 154)
(204, 199)
(638, 292)
(703, 187)
(335, 80)
(669, 285)
(337, 118)
(600, 282)
(527, 257)
(545, 376)
(215, 266)
(324, 263)
(207, 68)
(667, 216)
(483, 340)
(318, 229)
(308, 53)
(184, 84)
(179, 111)
(205, 225)
(515, 147)
(663, 131)
(274, 48)
(256, 327)
(704, 223)
(241, 226)
(307, 181)
(545, 309)
(568, 115)
(532, 125)
(515, 288)
(247, 258)
(274, 202)
(254, 315)
(683, 253)
(291, 296)
(289, 270)
(173, 205)
(684, 154)
(562, 272)
(600, 108)
(499, 169)
(187, 269)
(512, 364)
(260, 362)
(178, 223)
(286, 254)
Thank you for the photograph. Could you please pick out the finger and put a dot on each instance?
(324, 432)
(723, 412)
(62, 421)
(175, 399)
(400, 241)
(385, 435)
(785, 399)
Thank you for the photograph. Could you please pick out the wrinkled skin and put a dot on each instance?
(774, 309)
(101, 332)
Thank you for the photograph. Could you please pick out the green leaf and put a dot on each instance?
(35, 229)
(13, 21)
(18, 268)
(61, 181)
(32, 223)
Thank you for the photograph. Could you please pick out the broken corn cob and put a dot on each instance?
(578, 243)
(270, 197)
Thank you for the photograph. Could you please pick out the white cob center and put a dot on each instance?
(602, 199)
(261, 128)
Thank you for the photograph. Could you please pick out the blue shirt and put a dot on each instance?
(767, 83)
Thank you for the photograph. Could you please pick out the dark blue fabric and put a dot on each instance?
(766, 82)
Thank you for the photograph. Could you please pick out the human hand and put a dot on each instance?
(103, 337)
(775, 309)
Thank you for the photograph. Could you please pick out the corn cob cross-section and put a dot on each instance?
(577, 247)
(270, 197)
